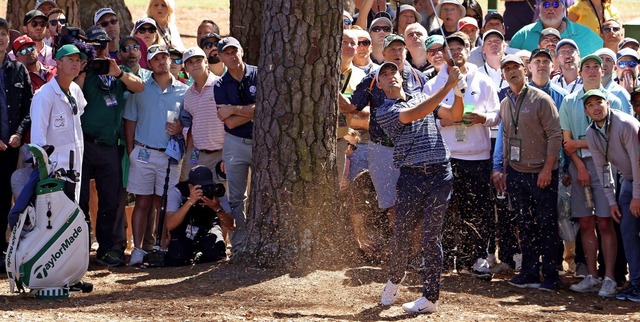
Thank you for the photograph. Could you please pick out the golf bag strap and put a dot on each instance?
(12, 268)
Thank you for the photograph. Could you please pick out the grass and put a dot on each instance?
(187, 4)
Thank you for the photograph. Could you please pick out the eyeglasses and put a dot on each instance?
(347, 22)
(625, 64)
(610, 29)
(24, 51)
(435, 51)
(365, 42)
(352, 146)
(566, 52)
(74, 104)
(129, 48)
(100, 45)
(210, 45)
(143, 30)
(177, 61)
(105, 24)
(381, 28)
(548, 4)
(55, 22)
(40, 23)
(155, 48)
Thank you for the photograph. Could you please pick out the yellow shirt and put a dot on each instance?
(583, 10)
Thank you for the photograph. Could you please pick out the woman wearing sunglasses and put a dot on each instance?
(592, 13)
(177, 67)
(146, 30)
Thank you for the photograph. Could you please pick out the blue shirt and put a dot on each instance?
(619, 91)
(232, 92)
(587, 40)
(149, 110)
(417, 143)
(412, 81)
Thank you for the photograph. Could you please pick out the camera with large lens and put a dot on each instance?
(213, 190)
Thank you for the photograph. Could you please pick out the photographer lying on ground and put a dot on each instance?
(194, 219)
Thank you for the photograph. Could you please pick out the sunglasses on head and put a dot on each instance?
(129, 48)
(24, 51)
(610, 29)
(105, 24)
(210, 45)
(155, 48)
(177, 61)
(365, 42)
(143, 30)
(40, 23)
(554, 4)
(379, 28)
(625, 64)
(60, 21)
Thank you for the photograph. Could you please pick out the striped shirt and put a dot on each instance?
(417, 143)
(206, 128)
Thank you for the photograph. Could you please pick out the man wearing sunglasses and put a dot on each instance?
(25, 51)
(129, 54)
(612, 33)
(379, 30)
(209, 43)
(552, 15)
(362, 59)
(102, 129)
(34, 25)
(627, 69)
(57, 20)
(107, 19)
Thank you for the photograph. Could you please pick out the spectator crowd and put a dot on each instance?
(494, 143)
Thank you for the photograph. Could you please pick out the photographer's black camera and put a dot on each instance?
(98, 66)
(213, 190)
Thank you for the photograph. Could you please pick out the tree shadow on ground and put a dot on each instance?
(370, 314)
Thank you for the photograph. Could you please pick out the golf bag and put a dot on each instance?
(48, 250)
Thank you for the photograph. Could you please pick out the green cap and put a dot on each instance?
(391, 38)
(593, 92)
(433, 40)
(67, 50)
(590, 56)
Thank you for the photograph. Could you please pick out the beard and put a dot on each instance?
(213, 59)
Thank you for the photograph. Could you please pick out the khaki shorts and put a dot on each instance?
(148, 178)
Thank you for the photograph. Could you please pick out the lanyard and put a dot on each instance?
(575, 83)
(501, 79)
(346, 83)
(517, 107)
(595, 12)
(601, 137)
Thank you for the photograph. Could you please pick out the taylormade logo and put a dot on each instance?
(42, 271)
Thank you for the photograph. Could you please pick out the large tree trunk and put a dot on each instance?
(16, 9)
(246, 26)
(293, 219)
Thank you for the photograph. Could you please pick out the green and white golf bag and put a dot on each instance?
(49, 247)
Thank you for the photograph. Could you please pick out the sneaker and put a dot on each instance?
(632, 293)
(588, 284)
(390, 293)
(481, 269)
(608, 288)
(517, 258)
(550, 285)
(421, 305)
(522, 280)
(581, 270)
(111, 259)
(137, 257)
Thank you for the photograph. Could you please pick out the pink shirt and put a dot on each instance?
(206, 129)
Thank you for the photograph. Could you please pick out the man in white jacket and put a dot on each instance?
(470, 144)
(56, 109)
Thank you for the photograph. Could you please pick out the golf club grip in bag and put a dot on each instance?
(48, 249)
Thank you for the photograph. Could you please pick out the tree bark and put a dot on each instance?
(78, 12)
(293, 219)
(246, 26)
